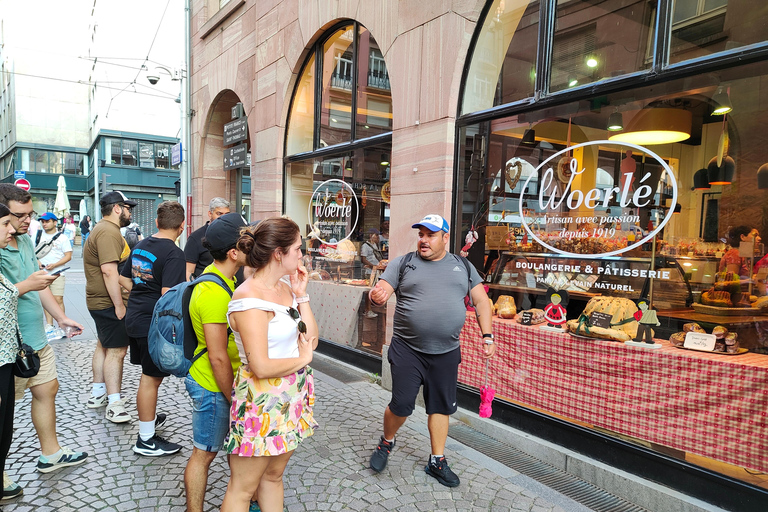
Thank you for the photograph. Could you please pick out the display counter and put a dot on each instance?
(336, 308)
(712, 405)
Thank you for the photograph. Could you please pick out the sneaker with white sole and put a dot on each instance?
(116, 412)
(95, 402)
(160, 420)
(67, 458)
(155, 446)
(10, 488)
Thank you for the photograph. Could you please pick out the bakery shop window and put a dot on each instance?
(646, 208)
(668, 206)
(337, 181)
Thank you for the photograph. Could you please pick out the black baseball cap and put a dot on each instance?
(116, 197)
(223, 233)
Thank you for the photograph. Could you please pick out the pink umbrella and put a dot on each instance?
(486, 396)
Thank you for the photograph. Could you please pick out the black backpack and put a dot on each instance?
(131, 237)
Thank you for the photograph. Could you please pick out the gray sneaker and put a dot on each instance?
(116, 412)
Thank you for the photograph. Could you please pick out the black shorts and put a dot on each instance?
(140, 356)
(110, 330)
(438, 373)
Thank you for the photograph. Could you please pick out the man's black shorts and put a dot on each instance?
(439, 373)
(140, 356)
(110, 330)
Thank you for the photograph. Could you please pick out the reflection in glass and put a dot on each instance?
(162, 159)
(146, 154)
(301, 118)
(335, 114)
(504, 59)
(41, 160)
(705, 27)
(374, 96)
(130, 152)
(594, 41)
(56, 162)
(112, 148)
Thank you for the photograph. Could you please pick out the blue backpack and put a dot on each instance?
(171, 339)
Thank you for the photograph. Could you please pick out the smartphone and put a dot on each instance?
(59, 271)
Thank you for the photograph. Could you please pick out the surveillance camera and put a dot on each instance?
(153, 79)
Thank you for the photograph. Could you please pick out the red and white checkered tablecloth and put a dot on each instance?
(707, 404)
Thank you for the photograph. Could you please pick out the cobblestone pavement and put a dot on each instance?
(328, 472)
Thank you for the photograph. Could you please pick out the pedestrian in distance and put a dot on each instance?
(424, 350)
(19, 265)
(85, 229)
(209, 383)
(103, 257)
(197, 256)
(53, 251)
(273, 392)
(9, 334)
(155, 266)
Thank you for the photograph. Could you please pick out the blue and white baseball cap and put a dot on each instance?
(433, 222)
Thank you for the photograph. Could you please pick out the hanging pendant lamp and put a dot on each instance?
(762, 177)
(657, 125)
(700, 180)
(722, 168)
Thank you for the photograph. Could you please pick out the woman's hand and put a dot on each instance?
(299, 281)
(305, 347)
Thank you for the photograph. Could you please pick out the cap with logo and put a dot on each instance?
(116, 197)
(223, 233)
(48, 216)
(433, 222)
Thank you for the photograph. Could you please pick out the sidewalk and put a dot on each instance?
(328, 472)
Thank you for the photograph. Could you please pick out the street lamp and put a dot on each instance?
(185, 180)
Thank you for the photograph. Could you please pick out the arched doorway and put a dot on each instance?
(211, 179)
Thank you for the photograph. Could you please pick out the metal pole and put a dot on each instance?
(96, 207)
(185, 174)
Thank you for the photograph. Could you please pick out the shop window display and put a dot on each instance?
(341, 196)
(647, 207)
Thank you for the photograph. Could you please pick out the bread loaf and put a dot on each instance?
(619, 308)
(693, 327)
(720, 332)
(677, 339)
(716, 298)
(505, 306)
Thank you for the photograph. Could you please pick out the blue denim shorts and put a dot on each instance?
(210, 416)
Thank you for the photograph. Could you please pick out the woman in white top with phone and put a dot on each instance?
(273, 391)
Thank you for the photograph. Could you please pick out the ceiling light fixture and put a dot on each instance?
(592, 62)
(384, 159)
(348, 167)
(722, 102)
(701, 181)
(529, 137)
(615, 122)
(721, 174)
(657, 125)
(762, 177)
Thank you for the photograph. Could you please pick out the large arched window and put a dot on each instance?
(338, 146)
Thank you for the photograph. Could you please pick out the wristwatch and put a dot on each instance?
(488, 338)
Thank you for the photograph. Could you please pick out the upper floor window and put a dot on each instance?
(355, 103)
(133, 153)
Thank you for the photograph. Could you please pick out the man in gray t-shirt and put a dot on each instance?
(429, 315)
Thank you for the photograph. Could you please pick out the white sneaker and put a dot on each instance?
(94, 402)
(116, 412)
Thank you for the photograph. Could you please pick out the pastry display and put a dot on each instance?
(678, 339)
(623, 324)
(720, 332)
(693, 327)
(537, 316)
(716, 298)
(505, 306)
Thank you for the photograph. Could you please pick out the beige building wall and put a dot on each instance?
(252, 51)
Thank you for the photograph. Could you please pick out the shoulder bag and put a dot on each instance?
(27, 362)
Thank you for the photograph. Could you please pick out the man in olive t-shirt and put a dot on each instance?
(105, 299)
